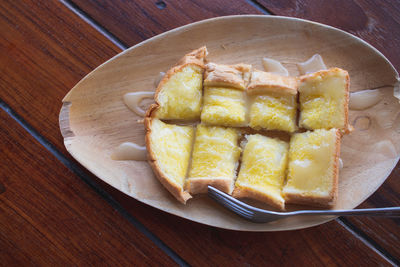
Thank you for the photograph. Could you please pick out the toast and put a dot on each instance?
(262, 171)
(214, 160)
(224, 97)
(324, 100)
(169, 148)
(273, 101)
(178, 95)
(313, 168)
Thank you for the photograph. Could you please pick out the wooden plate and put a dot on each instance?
(94, 120)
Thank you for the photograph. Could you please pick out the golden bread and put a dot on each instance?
(169, 148)
(273, 101)
(324, 99)
(273, 171)
(214, 160)
(263, 170)
(313, 168)
(178, 95)
(224, 107)
(233, 76)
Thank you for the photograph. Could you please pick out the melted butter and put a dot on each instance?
(158, 79)
(129, 151)
(132, 101)
(274, 66)
(308, 173)
(364, 99)
(313, 64)
(340, 163)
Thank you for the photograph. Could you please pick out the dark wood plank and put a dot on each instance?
(135, 21)
(377, 22)
(46, 50)
(49, 217)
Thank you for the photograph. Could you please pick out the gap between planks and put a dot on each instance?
(77, 170)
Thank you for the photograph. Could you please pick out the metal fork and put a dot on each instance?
(263, 216)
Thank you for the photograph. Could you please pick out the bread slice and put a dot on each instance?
(224, 101)
(324, 99)
(214, 159)
(263, 170)
(224, 107)
(273, 101)
(169, 148)
(231, 76)
(179, 93)
(313, 168)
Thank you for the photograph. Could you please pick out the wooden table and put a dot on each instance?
(53, 212)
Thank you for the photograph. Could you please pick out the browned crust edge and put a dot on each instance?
(200, 185)
(324, 202)
(196, 57)
(347, 128)
(247, 192)
(265, 85)
(175, 189)
(224, 79)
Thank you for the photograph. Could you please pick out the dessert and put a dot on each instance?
(262, 172)
(186, 159)
(224, 96)
(178, 95)
(169, 148)
(214, 160)
(273, 101)
(324, 98)
(313, 168)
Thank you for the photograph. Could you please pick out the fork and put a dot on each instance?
(263, 216)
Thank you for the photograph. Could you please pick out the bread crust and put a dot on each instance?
(264, 82)
(347, 128)
(195, 58)
(175, 189)
(233, 76)
(324, 202)
(248, 192)
(200, 185)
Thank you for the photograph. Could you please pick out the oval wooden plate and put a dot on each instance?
(94, 120)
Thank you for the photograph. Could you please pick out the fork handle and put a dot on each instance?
(389, 212)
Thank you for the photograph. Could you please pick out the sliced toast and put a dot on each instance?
(262, 171)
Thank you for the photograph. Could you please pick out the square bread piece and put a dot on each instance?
(169, 148)
(263, 170)
(224, 106)
(180, 91)
(224, 101)
(324, 98)
(214, 160)
(273, 101)
(313, 168)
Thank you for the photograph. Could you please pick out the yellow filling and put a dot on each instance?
(215, 153)
(223, 106)
(172, 144)
(180, 96)
(322, 101)
(263, 165)
(311, 163)
(273, 112)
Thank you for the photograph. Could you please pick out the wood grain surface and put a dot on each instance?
(49, 217)
(46, 49)
(135, 21)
